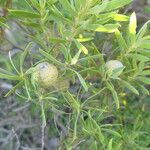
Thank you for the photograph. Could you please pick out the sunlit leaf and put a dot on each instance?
(75, 58)
(133, 24)
(109, 145)
(108, 28)
(119, 17)
(81, 47)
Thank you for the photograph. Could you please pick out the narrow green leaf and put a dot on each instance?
(112, 132)
(145, 72)
(58, 16)
(14, 88)
(42, 3)
(146, 37)
(23, 14)
(2, 24)
(133, 24)
(81, 80)
(9, 77)
(84, 39)
(121, 40)
(65, 51)
(30, 70)
(114, 94)
(5, 72)
(50, 57)
(12, 63)
(145, 80)
(145, 44)
(129, 86)
(68, 7)
(98, 8)
(139, 57)
(35, 4)
(99, 129)
(142, 31)
(93, 146)
(140, 66)
(75, 58)
(109, 6)
(50, 2)
(23, 56)
(132, 29)
(28, 4)
(50, 98)
(145, 52)
(2, 19)
(108, 28)
(115, 4)
(119, 17)
(72, 101)
(114, 74)
(81, 47)
(109, 145)
(27, 88)
(31, 24)
(38, 40)
(143, 89)
(57, 40)
(97, 56)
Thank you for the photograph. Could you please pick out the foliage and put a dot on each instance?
(79, 37)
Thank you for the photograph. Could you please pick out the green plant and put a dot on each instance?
(79, 37)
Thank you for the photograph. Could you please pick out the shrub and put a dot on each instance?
(103, 67)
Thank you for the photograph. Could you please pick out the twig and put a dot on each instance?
(21, 108)
(17, 138)
(43, 124)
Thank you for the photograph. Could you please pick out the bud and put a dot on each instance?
(45, 74)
